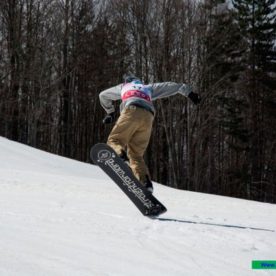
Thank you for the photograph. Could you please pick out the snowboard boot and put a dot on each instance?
(124, 157)
(148, 184)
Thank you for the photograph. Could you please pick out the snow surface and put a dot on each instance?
(63, 217)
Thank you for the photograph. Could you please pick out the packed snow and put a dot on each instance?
(63, 217)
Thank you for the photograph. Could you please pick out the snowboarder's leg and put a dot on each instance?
(121, 132)
(138, 143)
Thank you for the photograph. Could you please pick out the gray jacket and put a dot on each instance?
(159, 90)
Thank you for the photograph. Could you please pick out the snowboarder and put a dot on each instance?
(131, 134)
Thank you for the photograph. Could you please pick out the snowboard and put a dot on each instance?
(108, 160)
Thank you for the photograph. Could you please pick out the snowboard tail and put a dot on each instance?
(108, 160)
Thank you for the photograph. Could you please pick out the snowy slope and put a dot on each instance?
(63, 217)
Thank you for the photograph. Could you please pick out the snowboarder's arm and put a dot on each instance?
(108, 96)
(167, 89)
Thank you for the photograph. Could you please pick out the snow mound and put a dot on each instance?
(63, 217)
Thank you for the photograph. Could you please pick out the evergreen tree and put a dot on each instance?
(257, 24)
(223, 111)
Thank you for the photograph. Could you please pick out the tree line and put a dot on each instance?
(56, 56)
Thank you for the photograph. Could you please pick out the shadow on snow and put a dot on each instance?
(212, 224)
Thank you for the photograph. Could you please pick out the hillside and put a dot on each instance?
(63, 217)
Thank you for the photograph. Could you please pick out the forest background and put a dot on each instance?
(56, 56)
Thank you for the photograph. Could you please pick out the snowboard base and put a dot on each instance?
(108, 160)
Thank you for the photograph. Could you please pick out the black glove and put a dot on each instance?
(109, 118)
(194, 97)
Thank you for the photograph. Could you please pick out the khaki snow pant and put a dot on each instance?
(131, 133)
